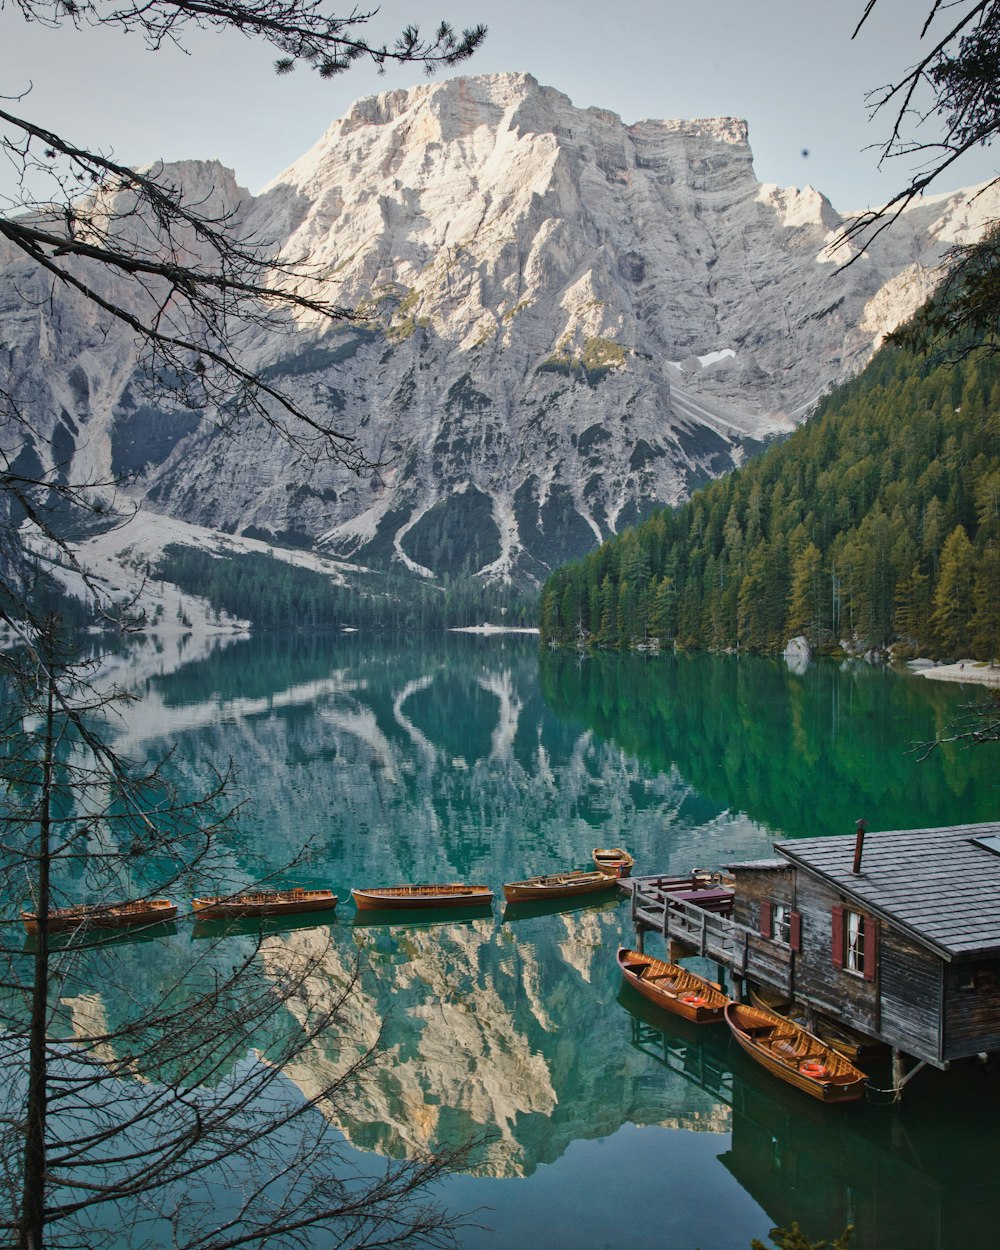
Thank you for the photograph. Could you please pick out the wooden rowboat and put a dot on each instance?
(851, 1044)
(799, 1058)
(452, 894)
(673, 988)
(104, 915)
(263, 903)
(613, 860)
(557, 885)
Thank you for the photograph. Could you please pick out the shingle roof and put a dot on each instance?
(935, 884)
(760, 865)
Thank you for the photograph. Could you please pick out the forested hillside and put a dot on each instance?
(876, 524)
(276, 595)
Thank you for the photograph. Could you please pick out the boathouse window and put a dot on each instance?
(854, 953)
(976, 976)
(779, 922)
(855, 942)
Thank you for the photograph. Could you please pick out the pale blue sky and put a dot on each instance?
(788, 66)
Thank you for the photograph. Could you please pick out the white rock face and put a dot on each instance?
(572, 321)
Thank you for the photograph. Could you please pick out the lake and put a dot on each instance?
(470, 758)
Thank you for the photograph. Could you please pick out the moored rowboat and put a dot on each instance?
(104, 915)
(851, 1044)
(451, 894)
(614, 860)
(263, 903)
(793, 1055)
(672, 987)
(557, 885)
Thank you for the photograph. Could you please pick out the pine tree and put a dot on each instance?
(913, 606)
(608, 629)
(807, 602)
(953, 594)
(663, 611)
(985, 623)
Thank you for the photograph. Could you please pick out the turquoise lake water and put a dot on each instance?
(469, 758)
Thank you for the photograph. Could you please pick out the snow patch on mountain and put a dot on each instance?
(120, 564)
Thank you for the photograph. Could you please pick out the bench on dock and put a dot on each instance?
(716, 898)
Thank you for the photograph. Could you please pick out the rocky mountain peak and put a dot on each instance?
(571, 320)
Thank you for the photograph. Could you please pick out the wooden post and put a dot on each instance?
(640, 939)
(898, 1073)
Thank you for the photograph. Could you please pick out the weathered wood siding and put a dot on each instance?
(756, 886)
(901, 1005)
(843, 995)
(972, 1008)
(910, 984)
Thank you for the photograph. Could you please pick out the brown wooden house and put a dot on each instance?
(900, 942)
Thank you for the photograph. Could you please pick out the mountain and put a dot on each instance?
(571, 320)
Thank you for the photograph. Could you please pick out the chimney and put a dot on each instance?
(859, 846)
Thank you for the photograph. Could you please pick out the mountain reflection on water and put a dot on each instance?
(466, 758)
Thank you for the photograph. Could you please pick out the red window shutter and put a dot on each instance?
(766, 918)
(870, 930)
(795, 931)
(837, 916)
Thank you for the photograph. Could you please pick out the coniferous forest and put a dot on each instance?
(876, 525)
(276, 595)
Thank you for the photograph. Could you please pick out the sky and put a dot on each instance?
(789, 67)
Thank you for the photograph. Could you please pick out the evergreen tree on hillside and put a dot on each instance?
(952, 599)
(985, 624)
(807, 601)
(876, 524)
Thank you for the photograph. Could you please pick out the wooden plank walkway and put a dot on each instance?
(666, 905)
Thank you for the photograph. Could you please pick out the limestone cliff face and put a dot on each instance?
(572, 319)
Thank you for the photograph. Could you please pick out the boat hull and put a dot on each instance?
(421, 897)
(613, 860)
(123, 915)
(673, 988)
(557, 885)
(851, 1044)
(277, 903)
(795, 1056)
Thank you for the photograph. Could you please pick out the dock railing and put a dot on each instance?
(745, 952)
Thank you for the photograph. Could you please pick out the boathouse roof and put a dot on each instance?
(759, 865)
(941, 886)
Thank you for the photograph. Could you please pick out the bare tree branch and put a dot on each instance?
(969, 119)
(131, 1106)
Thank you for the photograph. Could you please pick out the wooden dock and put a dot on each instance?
(698, 921)
(892, 935)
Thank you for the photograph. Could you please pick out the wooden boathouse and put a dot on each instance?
(895, 934)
